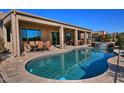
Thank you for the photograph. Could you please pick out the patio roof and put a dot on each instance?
(43, 18)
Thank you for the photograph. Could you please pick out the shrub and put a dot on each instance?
(1, 43)
(108, 38)
(120, 40)
(104, 38)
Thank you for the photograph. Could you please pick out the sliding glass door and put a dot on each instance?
(68, 36)
(55, 38)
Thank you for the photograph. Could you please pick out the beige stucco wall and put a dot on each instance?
(1, 30)
(8, 45)
(46, 30)
(7, 21)
(3, 26)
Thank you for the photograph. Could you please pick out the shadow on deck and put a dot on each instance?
(118, 71)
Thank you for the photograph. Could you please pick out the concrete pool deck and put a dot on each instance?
(13, 70)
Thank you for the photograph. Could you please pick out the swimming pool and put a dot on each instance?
(74, 65)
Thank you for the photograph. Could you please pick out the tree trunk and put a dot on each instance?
(117, 66)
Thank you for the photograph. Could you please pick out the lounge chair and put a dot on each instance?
(48, 45)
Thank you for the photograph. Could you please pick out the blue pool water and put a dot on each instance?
(74, 65)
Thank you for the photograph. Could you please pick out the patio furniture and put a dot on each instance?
(81, 42)
(27, 47)
(67, 42)
(71, 42)
(32, 44)
(40, 45)
(48, 45)
(88, 41)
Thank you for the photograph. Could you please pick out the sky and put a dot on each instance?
(110, 20)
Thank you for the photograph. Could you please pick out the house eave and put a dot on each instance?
(43, 18)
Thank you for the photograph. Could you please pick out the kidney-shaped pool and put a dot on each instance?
(74, 65)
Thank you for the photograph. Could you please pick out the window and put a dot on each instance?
(31, 35)
(68, 36)
(79, 37)
(8, 32)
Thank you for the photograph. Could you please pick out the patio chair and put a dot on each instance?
(32, 44)
(72, 42)
(81, 42)
(27, 47)
(48, 45)
(40, 45)
(67, 42)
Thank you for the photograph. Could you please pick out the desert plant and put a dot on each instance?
(104, 38)
(1, 43)
(108, 38)
(120, 40)
(100, 38)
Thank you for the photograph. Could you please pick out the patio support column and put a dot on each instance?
(15, 35)
(85, 38)
(18, 37)
(76, 37)
(4, 34)
(61, 36)
(90, 38)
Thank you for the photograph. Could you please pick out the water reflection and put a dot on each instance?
(76, 55)
(70, 60)
(62, 61)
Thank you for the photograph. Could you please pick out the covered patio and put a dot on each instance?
(20, 27)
